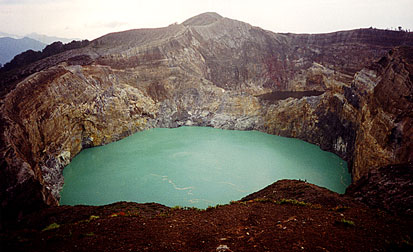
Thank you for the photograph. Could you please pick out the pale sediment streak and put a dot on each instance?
(165, 178)
(342, 182)
(237, 188)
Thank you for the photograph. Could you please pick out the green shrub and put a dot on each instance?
(348, 223)
(292, 202)
(176, 208)
(52, 226)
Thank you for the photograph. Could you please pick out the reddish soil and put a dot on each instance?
(286, 216)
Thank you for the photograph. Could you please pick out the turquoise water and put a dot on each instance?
(195, 166)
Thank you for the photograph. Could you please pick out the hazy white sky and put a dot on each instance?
(93, 18)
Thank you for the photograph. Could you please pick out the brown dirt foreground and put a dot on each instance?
(288, 215)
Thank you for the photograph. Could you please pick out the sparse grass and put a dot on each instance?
(278, 202)
(403, 244)
(93, 217)
(293, 202)
(192, 208)
(315, 206)
(52, 226)
(264, 200)
(339, 208)
(407, 241)
(238, 202)
(163, 214)
(126, 214)
(133, 213)
(346, 222)
(176, 208)
(184, 208)
(209, 208)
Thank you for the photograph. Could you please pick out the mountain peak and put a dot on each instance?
(203, 19)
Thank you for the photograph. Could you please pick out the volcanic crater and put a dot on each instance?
(349, 92)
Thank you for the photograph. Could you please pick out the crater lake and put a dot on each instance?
(195, 167)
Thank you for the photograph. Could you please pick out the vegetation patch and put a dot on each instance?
(125, 214)
(293, 202)
(345, 222)
(278, 202)
(339, 208)
(93, 217)
(51, 227)
(163, 214)
(209, 208)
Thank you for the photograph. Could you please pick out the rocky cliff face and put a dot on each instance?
(209, 71)
(384, 93)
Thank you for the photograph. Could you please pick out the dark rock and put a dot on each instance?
(389, 188)
(338, 134)
(352, 97)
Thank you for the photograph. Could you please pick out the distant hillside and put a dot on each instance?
(4, 34)
(30, 56)
(48, 39)
(10, 47)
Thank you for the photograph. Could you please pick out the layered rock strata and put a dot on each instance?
(208, 71)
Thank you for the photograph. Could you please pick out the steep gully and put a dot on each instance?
(356, 96)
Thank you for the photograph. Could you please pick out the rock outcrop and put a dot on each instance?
(209, 71)
(386, 113)
(389, 187)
